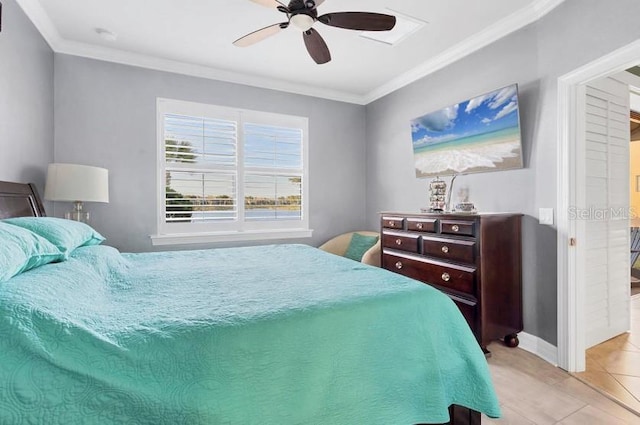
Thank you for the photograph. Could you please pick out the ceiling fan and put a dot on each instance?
(303, 14)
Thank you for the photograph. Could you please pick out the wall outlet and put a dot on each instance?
(545, 216)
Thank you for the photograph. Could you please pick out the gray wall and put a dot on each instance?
(26, 99)
(575, 33)
(106, 116)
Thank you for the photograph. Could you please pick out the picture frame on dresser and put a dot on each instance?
(476, 259)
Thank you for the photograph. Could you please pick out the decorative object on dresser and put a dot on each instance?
(464, 205)
(474, 259)
(440, 198)
(77, 184)
(437, 195)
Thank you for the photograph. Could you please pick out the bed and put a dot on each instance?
(283, 334)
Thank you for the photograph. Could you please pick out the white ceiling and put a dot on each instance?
(194, 37)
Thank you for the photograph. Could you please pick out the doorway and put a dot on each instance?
(572, 340)
(613, 366)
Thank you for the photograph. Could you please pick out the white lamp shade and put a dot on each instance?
(71, 182)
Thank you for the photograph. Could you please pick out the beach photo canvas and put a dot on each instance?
(478, 135)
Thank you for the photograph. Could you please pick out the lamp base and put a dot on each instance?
(77, 214)
(82, 217)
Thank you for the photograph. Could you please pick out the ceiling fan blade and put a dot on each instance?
(260, 35)
(316, 46)
(269, 3)
(361, 21)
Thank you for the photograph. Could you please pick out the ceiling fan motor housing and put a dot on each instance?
(303, 14)
(298, 5)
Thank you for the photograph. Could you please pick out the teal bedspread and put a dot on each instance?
(282, 334)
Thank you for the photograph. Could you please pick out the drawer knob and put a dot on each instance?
(446, 277)
(392, 223)
(445, 249)
(419, 226)
(399, 265)
(398, 241)
(455, 228)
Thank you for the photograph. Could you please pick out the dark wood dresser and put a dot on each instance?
(474, 258)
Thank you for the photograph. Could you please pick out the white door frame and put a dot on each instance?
(571, 284)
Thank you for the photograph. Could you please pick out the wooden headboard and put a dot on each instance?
(19, 200)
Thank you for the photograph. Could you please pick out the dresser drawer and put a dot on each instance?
(402, 241)
(468, 309)
(448, 276)
(421, 224)
(457, 227)
(391, 222)
(449, 249)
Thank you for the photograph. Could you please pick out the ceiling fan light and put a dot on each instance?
(302, 21)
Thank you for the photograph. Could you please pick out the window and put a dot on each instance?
(230, 174)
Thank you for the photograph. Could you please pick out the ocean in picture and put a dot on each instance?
(478, 135)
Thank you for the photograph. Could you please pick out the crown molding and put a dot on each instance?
(476, 42)
(515, 21)
(167, 65)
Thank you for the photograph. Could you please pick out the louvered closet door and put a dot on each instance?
(606, 196)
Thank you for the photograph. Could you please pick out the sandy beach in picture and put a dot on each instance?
(502, 153)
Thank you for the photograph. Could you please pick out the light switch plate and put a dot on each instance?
(545, 216)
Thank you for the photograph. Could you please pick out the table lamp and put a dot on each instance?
(77, 184)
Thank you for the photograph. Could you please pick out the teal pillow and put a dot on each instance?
(67, 235)
(22, 250)
(359, 245)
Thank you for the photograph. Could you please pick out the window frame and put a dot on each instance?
(239, 229)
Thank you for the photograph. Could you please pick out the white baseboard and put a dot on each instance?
(539, 347)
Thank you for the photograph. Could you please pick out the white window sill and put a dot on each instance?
(253, 235)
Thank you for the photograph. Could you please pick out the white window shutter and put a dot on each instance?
(230, 170)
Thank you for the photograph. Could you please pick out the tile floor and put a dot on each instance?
(614, 366)
(532, 391)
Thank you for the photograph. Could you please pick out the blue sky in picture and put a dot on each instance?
(487, 113)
